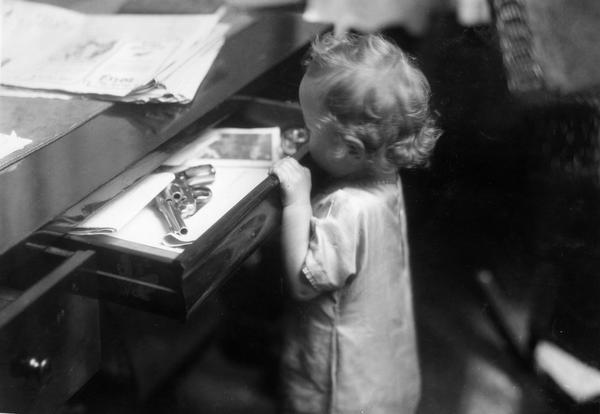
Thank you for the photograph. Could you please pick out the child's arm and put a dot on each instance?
(295, 225)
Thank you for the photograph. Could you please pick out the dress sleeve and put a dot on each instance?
(333, 247)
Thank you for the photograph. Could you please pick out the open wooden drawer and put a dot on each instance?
(175, 283)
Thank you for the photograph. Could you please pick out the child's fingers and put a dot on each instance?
(291, 173)
(285, 168)
(286, 161)
(294, 181)
(278, 169)
(276, 166)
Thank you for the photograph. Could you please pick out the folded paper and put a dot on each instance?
(116, 213)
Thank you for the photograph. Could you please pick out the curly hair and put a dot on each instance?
(374, 92)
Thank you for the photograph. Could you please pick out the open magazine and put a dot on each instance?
(139, 58)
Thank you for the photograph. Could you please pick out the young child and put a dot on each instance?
(350, 345)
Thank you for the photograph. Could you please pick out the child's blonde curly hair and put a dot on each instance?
(373, 92)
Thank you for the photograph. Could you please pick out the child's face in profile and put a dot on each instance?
(328, 151)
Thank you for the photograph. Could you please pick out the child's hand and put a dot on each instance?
(295, 181)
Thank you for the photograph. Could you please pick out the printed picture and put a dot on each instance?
(240, 145)
(258, 147)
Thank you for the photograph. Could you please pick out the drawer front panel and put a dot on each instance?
(230, 253)
(49, 339)
(48, 352)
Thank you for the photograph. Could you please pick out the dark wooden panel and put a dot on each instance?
(49, 343)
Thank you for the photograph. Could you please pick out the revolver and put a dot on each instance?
(184, 196)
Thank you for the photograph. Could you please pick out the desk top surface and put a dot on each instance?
(94, 141)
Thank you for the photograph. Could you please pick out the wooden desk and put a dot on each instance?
(86, 156)
(47, 182)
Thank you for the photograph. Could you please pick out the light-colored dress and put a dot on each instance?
(352, 349)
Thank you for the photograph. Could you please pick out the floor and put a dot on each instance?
(466, 366)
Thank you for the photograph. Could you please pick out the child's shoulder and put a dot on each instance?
(353, 200)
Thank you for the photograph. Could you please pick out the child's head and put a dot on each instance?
(366, 106)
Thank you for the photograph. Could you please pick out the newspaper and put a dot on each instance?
(48, 48)
(179, 84)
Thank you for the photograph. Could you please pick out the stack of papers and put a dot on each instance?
(121, 57)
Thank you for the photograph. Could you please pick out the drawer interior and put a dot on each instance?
(171, 282)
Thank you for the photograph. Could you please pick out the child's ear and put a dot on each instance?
(356, 149)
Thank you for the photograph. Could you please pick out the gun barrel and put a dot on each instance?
(172, 215)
